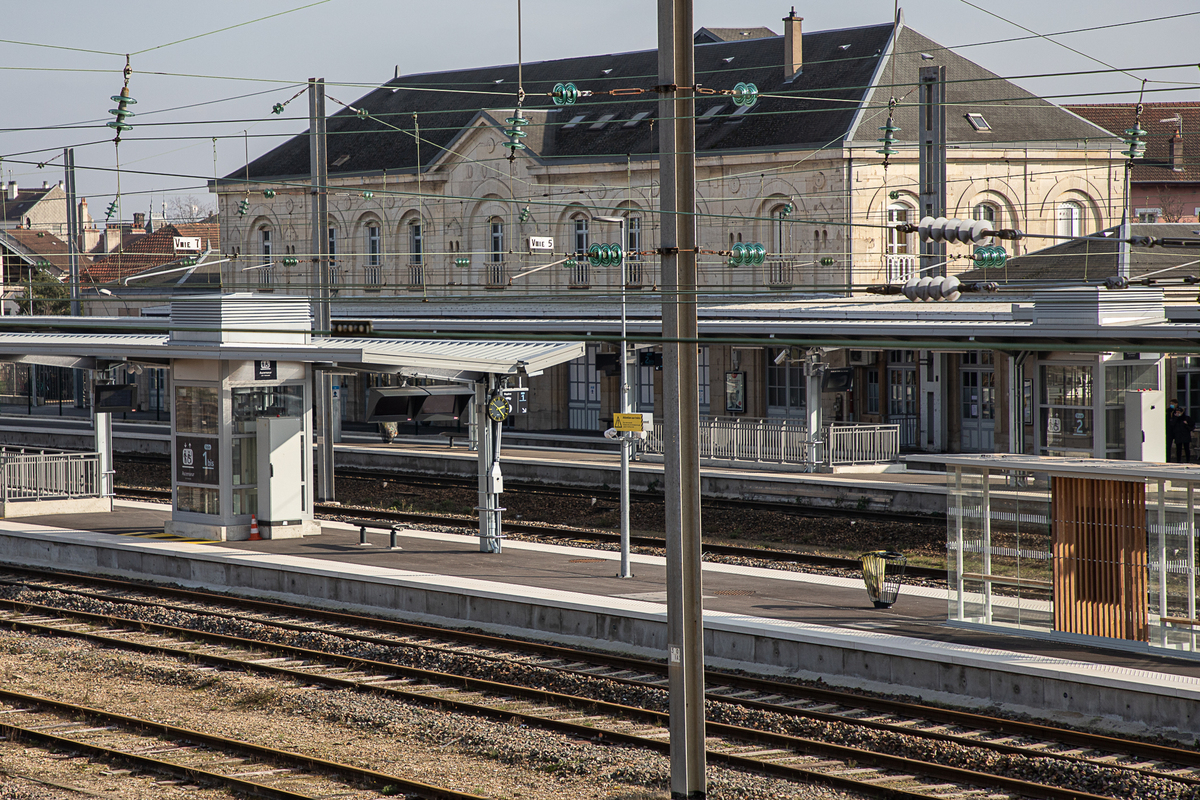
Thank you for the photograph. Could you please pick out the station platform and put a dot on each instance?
(759, 620)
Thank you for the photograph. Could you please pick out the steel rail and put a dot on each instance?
(974, 720)
(801, 745)
(378, 780)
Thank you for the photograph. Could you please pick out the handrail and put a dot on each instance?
(50, 476)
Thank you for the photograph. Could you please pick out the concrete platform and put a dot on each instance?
(759, 620)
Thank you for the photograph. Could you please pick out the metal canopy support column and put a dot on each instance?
(932, 161)
(319, 173)
(102, 423)
(813, 372)
(681, 411)
(73, 256)
(491, 483)
(985, 519)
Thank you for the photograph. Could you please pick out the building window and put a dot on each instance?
(264, 242)
(778, 215)
(872, 390)
(1070, 215)
(414, 243)
(897, 242)
(785, 386)
(633, 238)
(581, 234)
(373, 250)
(497, 253)
(988, 213)
(1148, 214)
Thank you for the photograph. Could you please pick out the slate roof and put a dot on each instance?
(709, 35)
(1094, 260)
(1013, 114)
(15, 210)
(816, 109)
(838, 78)
(153, 250)
(1158, 120)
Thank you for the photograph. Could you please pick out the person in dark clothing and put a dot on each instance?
(1181, 432)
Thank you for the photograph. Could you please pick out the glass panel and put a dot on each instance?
(197, 500)
(1068, 431)
(245, 501)
(265, 401)
(1067, 385)
(196, 410)
(245, 460)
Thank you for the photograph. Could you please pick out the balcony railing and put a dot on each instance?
(899, 268)
(496, 274)
(579, 273)
(416, 276)
(633, 274)
(373, 277)
(266, 278)
(779, 272)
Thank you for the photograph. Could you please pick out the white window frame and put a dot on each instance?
(1069, 219)
(897, 242)
(496, 230)
(374, 255)
(580, 232)
(416, 252)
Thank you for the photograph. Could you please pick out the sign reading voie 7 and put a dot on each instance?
(627, 423)
(186, 243)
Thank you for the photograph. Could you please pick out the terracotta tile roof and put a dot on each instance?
(154, 250)
(1162, 121)
(39, 245)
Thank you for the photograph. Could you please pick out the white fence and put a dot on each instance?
(50, 476)
(786, 441)
(861, 444)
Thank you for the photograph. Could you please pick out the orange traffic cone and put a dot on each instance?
(254, 537)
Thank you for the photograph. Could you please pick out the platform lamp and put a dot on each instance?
(626, 441)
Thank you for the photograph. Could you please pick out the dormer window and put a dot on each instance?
(978, 122)
(635, 119)
(599, 124)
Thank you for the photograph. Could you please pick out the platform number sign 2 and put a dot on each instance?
(265, 371)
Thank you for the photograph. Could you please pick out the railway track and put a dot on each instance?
(566, 533)
(766, 726)
(195, 756)
(793, 508)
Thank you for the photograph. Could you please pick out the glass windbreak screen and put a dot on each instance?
(197, 410)
(1066, 385)
(252, 402)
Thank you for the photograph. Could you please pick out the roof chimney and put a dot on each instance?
(12, 190)
(45, 184)
(793, 47)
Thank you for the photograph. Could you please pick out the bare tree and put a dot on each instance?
(188, 209)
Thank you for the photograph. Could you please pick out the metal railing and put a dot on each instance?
(779, 272)
(416, 276)
(50, 476)
(580, 274)
(861, 444)
(497, 274)
(633, 274)
(899, 268)
(373, 276)
(786, 441)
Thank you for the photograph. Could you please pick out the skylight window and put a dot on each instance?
(606, 71)
(574, 121)
(843, 47)
(727, 60)
(635, 119)
(599, 124)
(978, 122)
(737, 115)
(709, 114)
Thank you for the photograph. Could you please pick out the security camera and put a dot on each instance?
(782, 357)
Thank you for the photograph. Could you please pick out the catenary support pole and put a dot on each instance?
(681, 406)
(932, 161)
(319, 173)
(73, 257)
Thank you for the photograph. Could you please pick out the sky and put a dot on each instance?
(222, 86)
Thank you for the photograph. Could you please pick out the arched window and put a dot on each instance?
(264, 243)
(1070, 215)
(416, 242)
(373, 250)
(897, 242)
(988, 212)
(581, 234)
(778, 231)
(497, 230)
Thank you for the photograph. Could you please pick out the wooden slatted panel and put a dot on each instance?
(1100, 557)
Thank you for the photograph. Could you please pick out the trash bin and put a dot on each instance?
(882, 572)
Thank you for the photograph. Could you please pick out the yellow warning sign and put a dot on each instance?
(627, 423)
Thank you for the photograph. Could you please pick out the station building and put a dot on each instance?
(430, 220)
